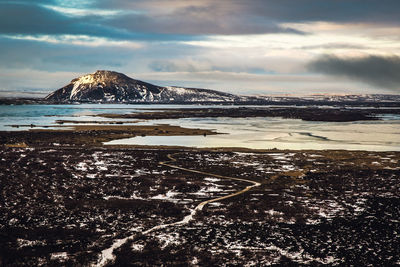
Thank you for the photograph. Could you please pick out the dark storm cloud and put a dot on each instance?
(19, 18)
(227, 17)
(32, 19)
(372, 11)
(177, 20)
(375, 70)
(192, 20)
(277, 11)
(25, 17)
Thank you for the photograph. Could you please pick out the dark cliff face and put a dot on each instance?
(109, 86)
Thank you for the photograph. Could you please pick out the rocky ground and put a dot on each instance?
(63, 205)
(332, 114)
(89, 135)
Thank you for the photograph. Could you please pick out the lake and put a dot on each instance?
(258, 133)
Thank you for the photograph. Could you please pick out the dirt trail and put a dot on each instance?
(107, 254)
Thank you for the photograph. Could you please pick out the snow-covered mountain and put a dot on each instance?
(110, 86)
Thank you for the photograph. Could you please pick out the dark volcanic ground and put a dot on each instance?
(61, 206)
(332, 114)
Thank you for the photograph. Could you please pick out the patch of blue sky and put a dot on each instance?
(74, 3)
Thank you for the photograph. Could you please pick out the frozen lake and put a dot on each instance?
(267, 133)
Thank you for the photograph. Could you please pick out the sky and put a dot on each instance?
(257, 47)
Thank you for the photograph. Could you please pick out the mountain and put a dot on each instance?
(110, 86)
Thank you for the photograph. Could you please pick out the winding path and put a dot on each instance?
(107, 255)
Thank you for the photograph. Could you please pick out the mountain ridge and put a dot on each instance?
(114, 87)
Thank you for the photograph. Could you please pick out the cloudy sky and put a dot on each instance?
(238, 46)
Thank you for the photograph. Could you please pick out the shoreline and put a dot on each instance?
(276, 100)
(305, 114)
(93, 135)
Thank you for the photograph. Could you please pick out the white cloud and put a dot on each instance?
(78, 40)
(81, 12)
(281, 42)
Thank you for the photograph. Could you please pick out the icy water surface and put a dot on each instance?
(259, 133)
(266, 133)
(48, 114)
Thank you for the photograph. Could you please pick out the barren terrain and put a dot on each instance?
(332, 114)
(65, 205)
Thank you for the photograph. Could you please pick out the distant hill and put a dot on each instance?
(114, 87)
